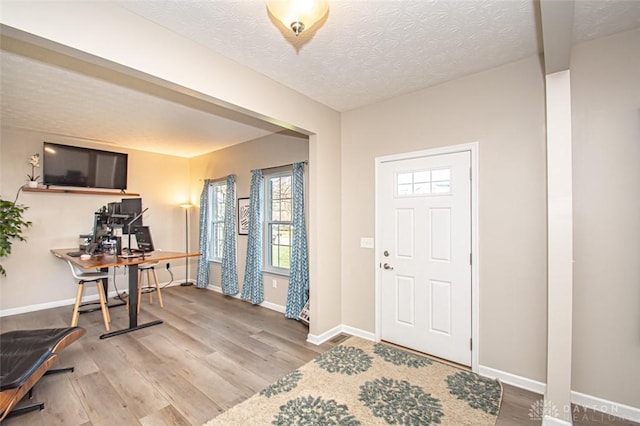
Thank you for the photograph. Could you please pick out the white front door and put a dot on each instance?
(424, 208)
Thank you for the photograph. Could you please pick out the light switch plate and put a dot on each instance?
(366, 242)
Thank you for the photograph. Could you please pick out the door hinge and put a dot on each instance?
(470, 344)
(470, 259)
(470, 174)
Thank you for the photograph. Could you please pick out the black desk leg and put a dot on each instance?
(133, 295)
(133, 307)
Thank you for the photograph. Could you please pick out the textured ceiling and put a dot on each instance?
(367, 51)
(41, 97)
(364, 52)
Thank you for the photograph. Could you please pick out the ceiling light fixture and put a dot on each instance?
(298, 14)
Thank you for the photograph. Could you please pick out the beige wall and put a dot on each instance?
(273, 150)
(34, 275)
(606, 165)
(108, 31)
(502, 109)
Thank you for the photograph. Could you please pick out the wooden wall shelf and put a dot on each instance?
(26, 188)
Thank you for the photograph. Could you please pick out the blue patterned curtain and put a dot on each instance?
(202, 280)
(229, 280)
(297, 294)
(252, 288)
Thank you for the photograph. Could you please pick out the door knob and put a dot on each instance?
(387, 266)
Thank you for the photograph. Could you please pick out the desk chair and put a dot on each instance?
(148, 268)
(84, 277)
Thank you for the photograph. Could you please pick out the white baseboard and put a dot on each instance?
(554, 421)
(39, 307)
(64, 302)
(602, 406)
(359, 333)
(327, 335)
(607, 408)
(330, 334)
(265, 304)
(513, 379)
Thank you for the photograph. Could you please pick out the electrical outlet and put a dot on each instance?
(275, 284)
(168, 265)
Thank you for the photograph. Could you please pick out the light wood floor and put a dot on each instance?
(210, 354)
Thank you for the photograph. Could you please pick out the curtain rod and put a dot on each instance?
(283, 165)
(217, 179)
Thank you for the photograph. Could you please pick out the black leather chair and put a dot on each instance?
(25, 356)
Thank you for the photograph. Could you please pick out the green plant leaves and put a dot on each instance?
(12, 225)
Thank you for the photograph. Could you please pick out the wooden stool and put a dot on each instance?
(148, 268)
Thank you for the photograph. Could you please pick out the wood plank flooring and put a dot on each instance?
(211, 353)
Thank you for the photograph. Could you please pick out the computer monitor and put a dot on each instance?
(143, 238)
(131, 207)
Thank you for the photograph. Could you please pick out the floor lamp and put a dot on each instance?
(186, 208)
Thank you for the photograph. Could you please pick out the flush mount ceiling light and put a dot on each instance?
(298, 14)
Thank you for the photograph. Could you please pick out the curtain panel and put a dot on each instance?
(298, 292)
(252, 288)
(202, 279)
(229, 278)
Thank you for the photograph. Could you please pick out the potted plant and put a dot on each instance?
(12, 225)
(34, 161)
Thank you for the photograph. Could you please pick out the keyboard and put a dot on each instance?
(134, 253)
(75, 253)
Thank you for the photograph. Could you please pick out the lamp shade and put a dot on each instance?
(298, 14)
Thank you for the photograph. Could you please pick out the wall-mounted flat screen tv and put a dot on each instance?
(65, 165)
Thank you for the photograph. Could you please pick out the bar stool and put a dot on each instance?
(148, 268)
(87, 277)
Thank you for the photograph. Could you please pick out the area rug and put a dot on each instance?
(365, 383)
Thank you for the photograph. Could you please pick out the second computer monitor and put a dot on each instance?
(143, 238)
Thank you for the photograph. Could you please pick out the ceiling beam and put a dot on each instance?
(557, 33)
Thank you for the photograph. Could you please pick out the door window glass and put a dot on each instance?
(423, 182)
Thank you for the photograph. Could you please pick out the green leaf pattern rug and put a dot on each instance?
(365, 383)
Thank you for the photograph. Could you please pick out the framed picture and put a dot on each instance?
(243, 216)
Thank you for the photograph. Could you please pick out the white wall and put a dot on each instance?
(35, 278)
(605, 80)
(503, 109)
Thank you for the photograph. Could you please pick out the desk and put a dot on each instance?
(106, 261)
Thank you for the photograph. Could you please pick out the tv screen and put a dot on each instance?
(66, 165)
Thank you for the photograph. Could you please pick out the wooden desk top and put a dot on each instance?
(105, 261)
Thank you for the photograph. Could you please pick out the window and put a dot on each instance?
(278, 222)
(423, 182)
(217, 196)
